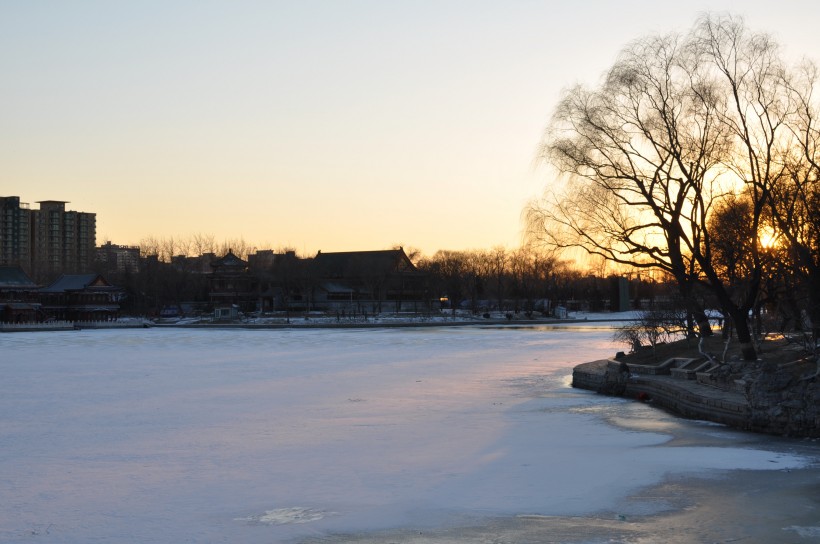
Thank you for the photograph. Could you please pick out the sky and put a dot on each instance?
(312, 125)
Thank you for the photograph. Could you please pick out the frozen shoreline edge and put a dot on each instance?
(388, 325)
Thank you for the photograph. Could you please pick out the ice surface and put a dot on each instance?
(264, 436)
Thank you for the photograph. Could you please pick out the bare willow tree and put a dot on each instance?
(637, 149)
(762, 102)
(678, 124)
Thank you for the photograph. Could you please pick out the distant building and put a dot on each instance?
(81, 297)
(118, 258)
(195, 265)
(15, 233)
(64, 241)
(232, 286)
(618, 294)
(262, 261)
(48, 241)
(352, 281)
(371, 281)
(18, 296)
(282, 280)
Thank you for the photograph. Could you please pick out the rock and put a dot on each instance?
(616, 378)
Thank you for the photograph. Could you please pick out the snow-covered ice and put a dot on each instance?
(180, 435)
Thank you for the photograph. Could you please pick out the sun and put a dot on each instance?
(767, 237)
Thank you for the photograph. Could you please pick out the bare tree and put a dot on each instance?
(796, 204)
(654, 326)
(202, 243)
(149, 246)
(447, 270)
(498, 261)
(636, 150)
(530, 274)
(732, 236)
(678, 124)
(238, 246)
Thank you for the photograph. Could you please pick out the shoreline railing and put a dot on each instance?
(72, 325)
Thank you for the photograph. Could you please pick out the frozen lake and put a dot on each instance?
(268, 436)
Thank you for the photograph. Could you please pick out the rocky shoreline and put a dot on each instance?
(779, 394)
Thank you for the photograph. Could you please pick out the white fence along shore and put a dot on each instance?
(71, 325)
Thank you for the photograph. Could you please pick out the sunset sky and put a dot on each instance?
(332, 125)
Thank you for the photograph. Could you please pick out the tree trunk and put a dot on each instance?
(814, 304)
(744, 334)
(704, 327)
(694, 309)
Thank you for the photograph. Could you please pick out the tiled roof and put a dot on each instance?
(229, 260)
(336, 288)
(13, 277)
(75, 282)
(354, 263)
(21, 305)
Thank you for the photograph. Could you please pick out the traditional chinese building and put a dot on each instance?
(81, 297)
(18, 296)
(372, 281)
(232, 287)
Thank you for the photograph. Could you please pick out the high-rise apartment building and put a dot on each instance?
(15, 233)
(46, 242)
(64, 241)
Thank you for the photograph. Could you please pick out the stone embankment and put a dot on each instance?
(775, 400)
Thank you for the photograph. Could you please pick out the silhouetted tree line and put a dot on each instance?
(520, 280)
(529, 280)
(523, 281)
